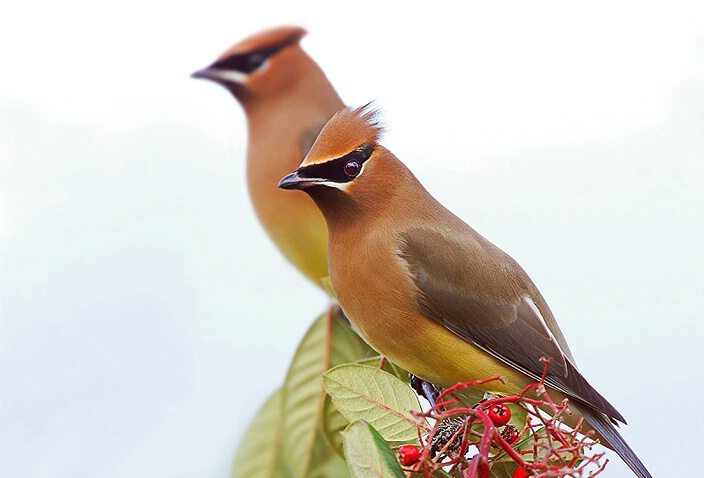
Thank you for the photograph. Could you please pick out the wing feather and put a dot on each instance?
(479, 293)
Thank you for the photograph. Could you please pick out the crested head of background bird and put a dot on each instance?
(425, 289)
(287, 99)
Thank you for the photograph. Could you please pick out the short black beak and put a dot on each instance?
(294, 181)
(228, 78)
(205, 73)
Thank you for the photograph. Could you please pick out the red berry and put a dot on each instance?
(510, 434)
(408, 455)
(520, 473)
(499, 414)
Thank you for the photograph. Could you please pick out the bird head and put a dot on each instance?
(347, 169)
(262, 64)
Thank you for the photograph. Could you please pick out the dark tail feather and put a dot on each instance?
(602, 425)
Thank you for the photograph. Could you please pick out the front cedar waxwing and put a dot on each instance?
(287, 100)
(426, 290)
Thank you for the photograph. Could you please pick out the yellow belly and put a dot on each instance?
(291, 219)
(430, 351)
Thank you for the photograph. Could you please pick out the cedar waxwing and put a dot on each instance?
(287, 100)
(426, 290)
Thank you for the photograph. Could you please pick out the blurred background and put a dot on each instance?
(144, 314)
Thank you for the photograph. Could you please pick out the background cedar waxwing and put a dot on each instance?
(287, 100)
(426, 290)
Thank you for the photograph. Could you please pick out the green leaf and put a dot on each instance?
(325, 463)
(389, 367)
(346, 346)
(328, 342)
(333, 425)
(327, 286)
(366, 393)
(257, 456)
(504, 469)
(442, 473)
(367, 453)
(335, 468)
(334, 422)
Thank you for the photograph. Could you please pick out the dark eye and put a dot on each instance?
(352, 168)
(254, 61)
(247, 62)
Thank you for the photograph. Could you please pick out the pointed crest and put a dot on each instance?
(346, 131)
(273, 37)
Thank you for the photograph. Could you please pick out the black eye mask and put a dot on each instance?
(248, 62)
(340, 170)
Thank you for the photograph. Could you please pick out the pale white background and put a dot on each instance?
(143, 313)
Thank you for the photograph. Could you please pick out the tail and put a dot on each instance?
(604, 427)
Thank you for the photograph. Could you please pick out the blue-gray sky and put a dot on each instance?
(144, 315)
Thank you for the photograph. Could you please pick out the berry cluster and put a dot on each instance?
(542, 448)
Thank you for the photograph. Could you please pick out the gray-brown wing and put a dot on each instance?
(478, 292)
